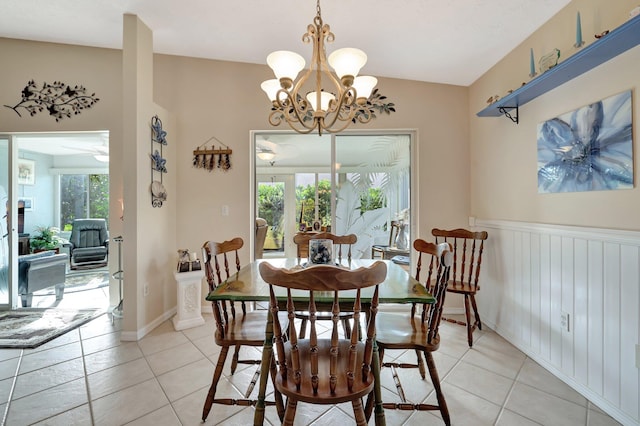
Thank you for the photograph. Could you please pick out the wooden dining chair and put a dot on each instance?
(418, 331)
(341, 243)
(384, 249)
(325, 371)
(467, 257)
(233, 329)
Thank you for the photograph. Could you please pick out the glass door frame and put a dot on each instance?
(414, 174)
(12, 229)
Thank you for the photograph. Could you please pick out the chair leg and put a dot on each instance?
(420, 364)
(467, 312)
(277, 396)
(433, 372)
(347, 328)
(214, 383)
(475, 311)
(303, 328)
(358, 412)
(290, 413)
(234, 359)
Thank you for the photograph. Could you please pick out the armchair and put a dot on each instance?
(89, 243)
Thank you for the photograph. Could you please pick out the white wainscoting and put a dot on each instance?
(534, 273)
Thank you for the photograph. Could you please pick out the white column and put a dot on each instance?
(189, 303)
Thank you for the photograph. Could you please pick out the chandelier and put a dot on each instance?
(305, 104)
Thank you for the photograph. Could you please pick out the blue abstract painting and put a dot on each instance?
(589, 149)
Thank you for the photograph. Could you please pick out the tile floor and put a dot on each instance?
(89, 377)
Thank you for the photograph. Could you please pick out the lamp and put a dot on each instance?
(306, 107)
(266, 155)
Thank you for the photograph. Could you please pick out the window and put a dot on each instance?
(83, 196)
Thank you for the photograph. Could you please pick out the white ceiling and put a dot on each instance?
(441, 41)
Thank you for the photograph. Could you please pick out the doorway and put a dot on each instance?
(353, 182)
(53, 178)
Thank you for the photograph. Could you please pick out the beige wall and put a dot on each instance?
(504, 166)
(205, 98)
(223, 99)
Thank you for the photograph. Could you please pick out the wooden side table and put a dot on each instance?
(189, 300)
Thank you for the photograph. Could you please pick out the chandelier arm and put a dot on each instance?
(345, 103)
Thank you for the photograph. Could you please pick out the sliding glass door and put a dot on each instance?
(373, 187)
(347, 183)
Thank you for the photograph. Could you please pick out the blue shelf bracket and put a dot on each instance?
(506, 110)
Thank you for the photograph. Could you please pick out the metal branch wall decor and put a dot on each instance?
(211, 159)
(59, 99)
(158, 162)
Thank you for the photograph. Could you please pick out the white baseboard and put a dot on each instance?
(133, 336)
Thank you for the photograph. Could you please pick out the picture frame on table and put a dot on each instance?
(26, 172)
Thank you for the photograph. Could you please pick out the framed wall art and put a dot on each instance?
(26, 172)
(588, 149)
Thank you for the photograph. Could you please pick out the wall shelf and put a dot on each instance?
(609, 46)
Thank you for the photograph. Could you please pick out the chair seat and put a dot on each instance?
(247, 329)
(89, 254)
(393, 331)
(462, 288)
(324, 396)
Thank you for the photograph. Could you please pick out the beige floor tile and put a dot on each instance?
(536, 376)
(544, 408)
(509, 418)
(5, 389)
(466, 408)
(48, 403)
(129, 404)
(8, 368)
(187, 379)
(420, 418)
(6, 354)
(41, 359)
(122, 376)
(207, 346)
(164, 416)
(161, 338)
(44, 378)
(333, 416)
(99, 326)
(98, 361)
(598, 418)
(480, 382)
(495, 358)
(101, 342)
(76, 416)
(205, 330)
(172, 358)
(189, 408)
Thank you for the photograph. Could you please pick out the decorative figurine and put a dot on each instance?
(549, 60)
(579, 41)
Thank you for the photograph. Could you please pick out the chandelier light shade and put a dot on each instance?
(320, 99)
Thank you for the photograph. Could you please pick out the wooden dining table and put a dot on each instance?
(247, 285)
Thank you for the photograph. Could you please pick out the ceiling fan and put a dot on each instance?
(99, 152)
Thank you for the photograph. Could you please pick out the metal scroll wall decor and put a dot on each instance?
(158, 162)
(211, 159)
(59, 99)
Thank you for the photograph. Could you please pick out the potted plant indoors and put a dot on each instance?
(45, 238)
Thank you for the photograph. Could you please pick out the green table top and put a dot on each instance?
(247, 285)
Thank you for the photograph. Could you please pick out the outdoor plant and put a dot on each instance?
(45, 238)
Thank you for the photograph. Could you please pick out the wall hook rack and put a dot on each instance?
(210, 159)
